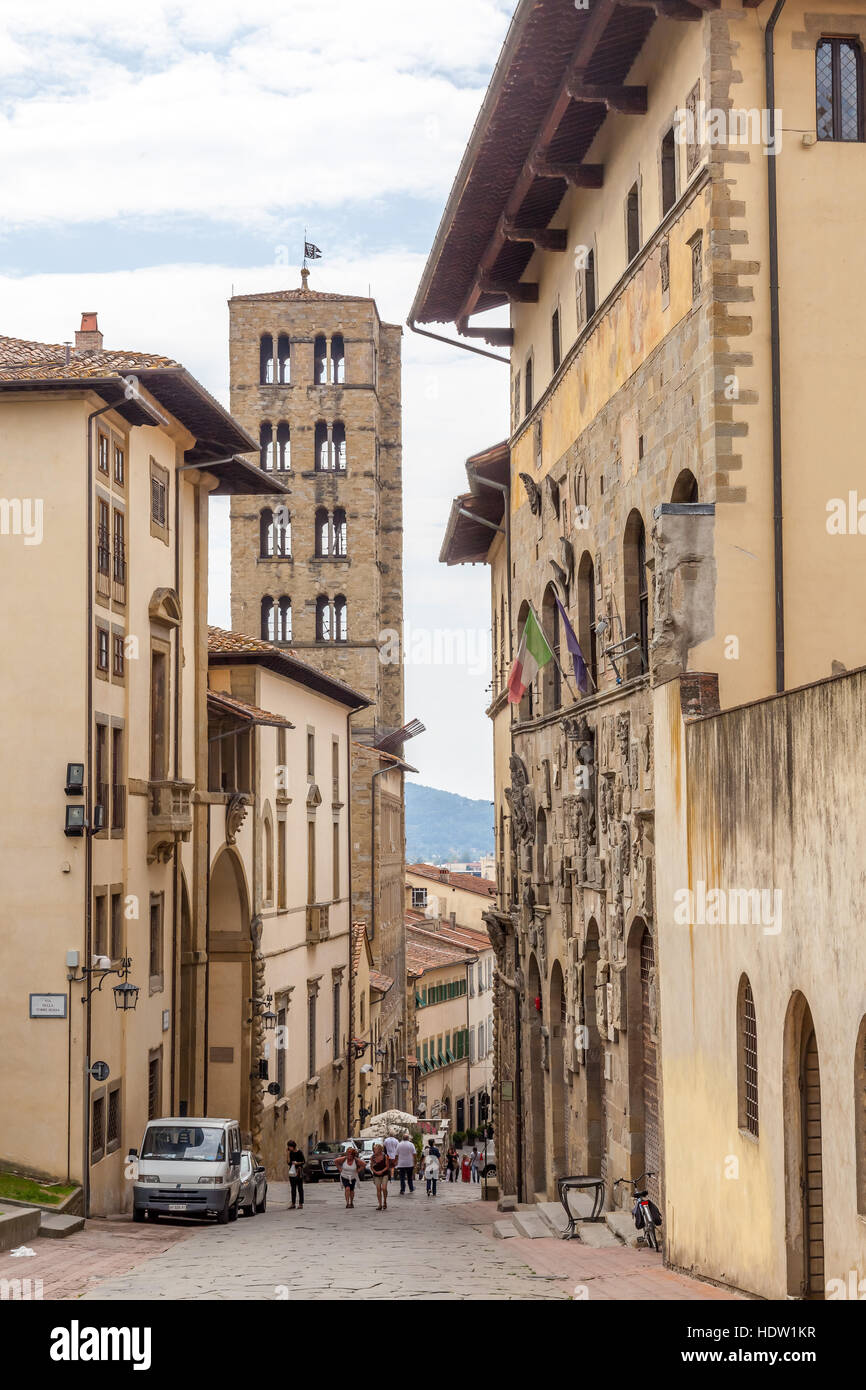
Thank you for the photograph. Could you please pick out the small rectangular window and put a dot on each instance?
(154, 1084)
(311, 753)
(336, 860)
(556, 342)
(113, 1121)
(102, 649)
(668, 171)
(119, 465)
(118, 781)
(528, 386)
(116, 926)
(118, 663)
(158, 715)
(839, 89)
(158, 501)
(156, 947)
(632, 218)
(97, 1129)
(100, 924)
(102, 454)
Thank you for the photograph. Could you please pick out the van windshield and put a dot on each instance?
(184, 1142)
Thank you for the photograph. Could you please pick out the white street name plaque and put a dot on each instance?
(48, 1006)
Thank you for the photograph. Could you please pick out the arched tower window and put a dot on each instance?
(323, 618)
(284, 619)
(284, 359)
(268, 620)
(320, 361)
(341, 619)
(636, 584)
(266, 532)
(340, 533)
(338, 359)
(266, 445)
(266, 360)
(284, 446)
(338, 435)
(323, 533)
(747, 1059)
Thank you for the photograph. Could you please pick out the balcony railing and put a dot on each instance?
(318, 926)
(103, 562)
(119, 585)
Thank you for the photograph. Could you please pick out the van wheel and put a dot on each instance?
(153, 1215)
(138, 1214)
(223, 1216)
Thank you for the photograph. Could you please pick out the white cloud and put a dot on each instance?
(203, 110)
(454, 404)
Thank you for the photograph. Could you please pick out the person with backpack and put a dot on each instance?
(431, 1169)
(295, 1160)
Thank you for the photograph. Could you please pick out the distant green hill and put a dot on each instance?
(441, 826)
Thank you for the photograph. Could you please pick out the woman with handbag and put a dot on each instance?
(295, 1160)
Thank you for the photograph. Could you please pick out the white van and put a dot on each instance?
(188, 1167)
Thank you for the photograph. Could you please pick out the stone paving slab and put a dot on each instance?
(596, 1234)
(531, 1225)
(504, 1229)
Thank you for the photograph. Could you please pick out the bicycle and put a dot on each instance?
(645, 1212)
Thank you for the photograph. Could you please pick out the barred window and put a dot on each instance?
(97, 1129)
(747, 1059)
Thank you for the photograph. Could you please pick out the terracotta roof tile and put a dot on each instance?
(223, 643)
(381, 982)
(426, 950)
(24, 360)
(290, 296)
(485, 887)
(218, 699)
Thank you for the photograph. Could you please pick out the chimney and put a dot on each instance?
(88, 337)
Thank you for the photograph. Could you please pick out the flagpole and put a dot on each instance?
(556, 658)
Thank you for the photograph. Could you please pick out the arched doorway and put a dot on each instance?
(643, 1054)
(536, 1137)
(229, 990)
(326, 1127)
(803, 1153)
(558, 1088)
(595, 1136)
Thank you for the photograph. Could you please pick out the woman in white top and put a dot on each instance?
(351, 1167)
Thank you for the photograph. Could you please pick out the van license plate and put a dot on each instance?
(177, 1206)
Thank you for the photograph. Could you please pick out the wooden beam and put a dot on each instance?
(628, 101)
(676, 9)
(496, 337)
(578, 175)
(545, 238)
(597, 20)
(518, 292)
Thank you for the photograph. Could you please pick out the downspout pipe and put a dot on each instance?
(88, 817)
(775, 341)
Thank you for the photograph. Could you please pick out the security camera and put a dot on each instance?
(367, 1067)
(101, 963)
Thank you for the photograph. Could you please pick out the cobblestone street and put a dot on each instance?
(419, 1248)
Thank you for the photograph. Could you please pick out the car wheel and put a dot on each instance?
(153, 1215)
(251, 1209)
(224, 1215)
(138, 1214)
(264, 1202)
(233, 1211)
(489, 1171)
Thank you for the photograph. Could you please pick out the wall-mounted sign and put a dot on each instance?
(99, 1071)
(507, 1090)
(48, 1006)
(166, 1020)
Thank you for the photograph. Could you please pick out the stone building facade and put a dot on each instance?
(639, 485)
(316, 378)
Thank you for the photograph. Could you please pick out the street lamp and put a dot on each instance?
(125, 994)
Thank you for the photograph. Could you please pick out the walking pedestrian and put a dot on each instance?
(351, 1167)
(465, 1167)
(380, 1167)
(391, 1142)
(406, 1160)
(451, 1162)
(295, 1160)
(475, 1165)
(431, 1170)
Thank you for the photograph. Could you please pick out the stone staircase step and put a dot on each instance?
(504, 1229)
(56, 1226)
(552, 1213)
(528, 1224)
(622, 1225)
(596, 1234)
(581, 1203)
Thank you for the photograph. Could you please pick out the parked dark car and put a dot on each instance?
(253, 1195)
(322, 1161)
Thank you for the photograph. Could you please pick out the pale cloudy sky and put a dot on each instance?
(154, 160)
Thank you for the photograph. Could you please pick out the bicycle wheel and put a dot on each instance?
(650, 1235)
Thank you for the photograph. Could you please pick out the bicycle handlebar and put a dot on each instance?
(635, 1182)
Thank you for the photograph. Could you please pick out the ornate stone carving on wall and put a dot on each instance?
(521, 803)
(622, 737)
(236, 814)
(532, 492)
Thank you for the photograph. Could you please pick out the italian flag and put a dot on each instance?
(532, 654)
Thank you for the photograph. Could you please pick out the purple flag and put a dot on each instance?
(581, 675)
